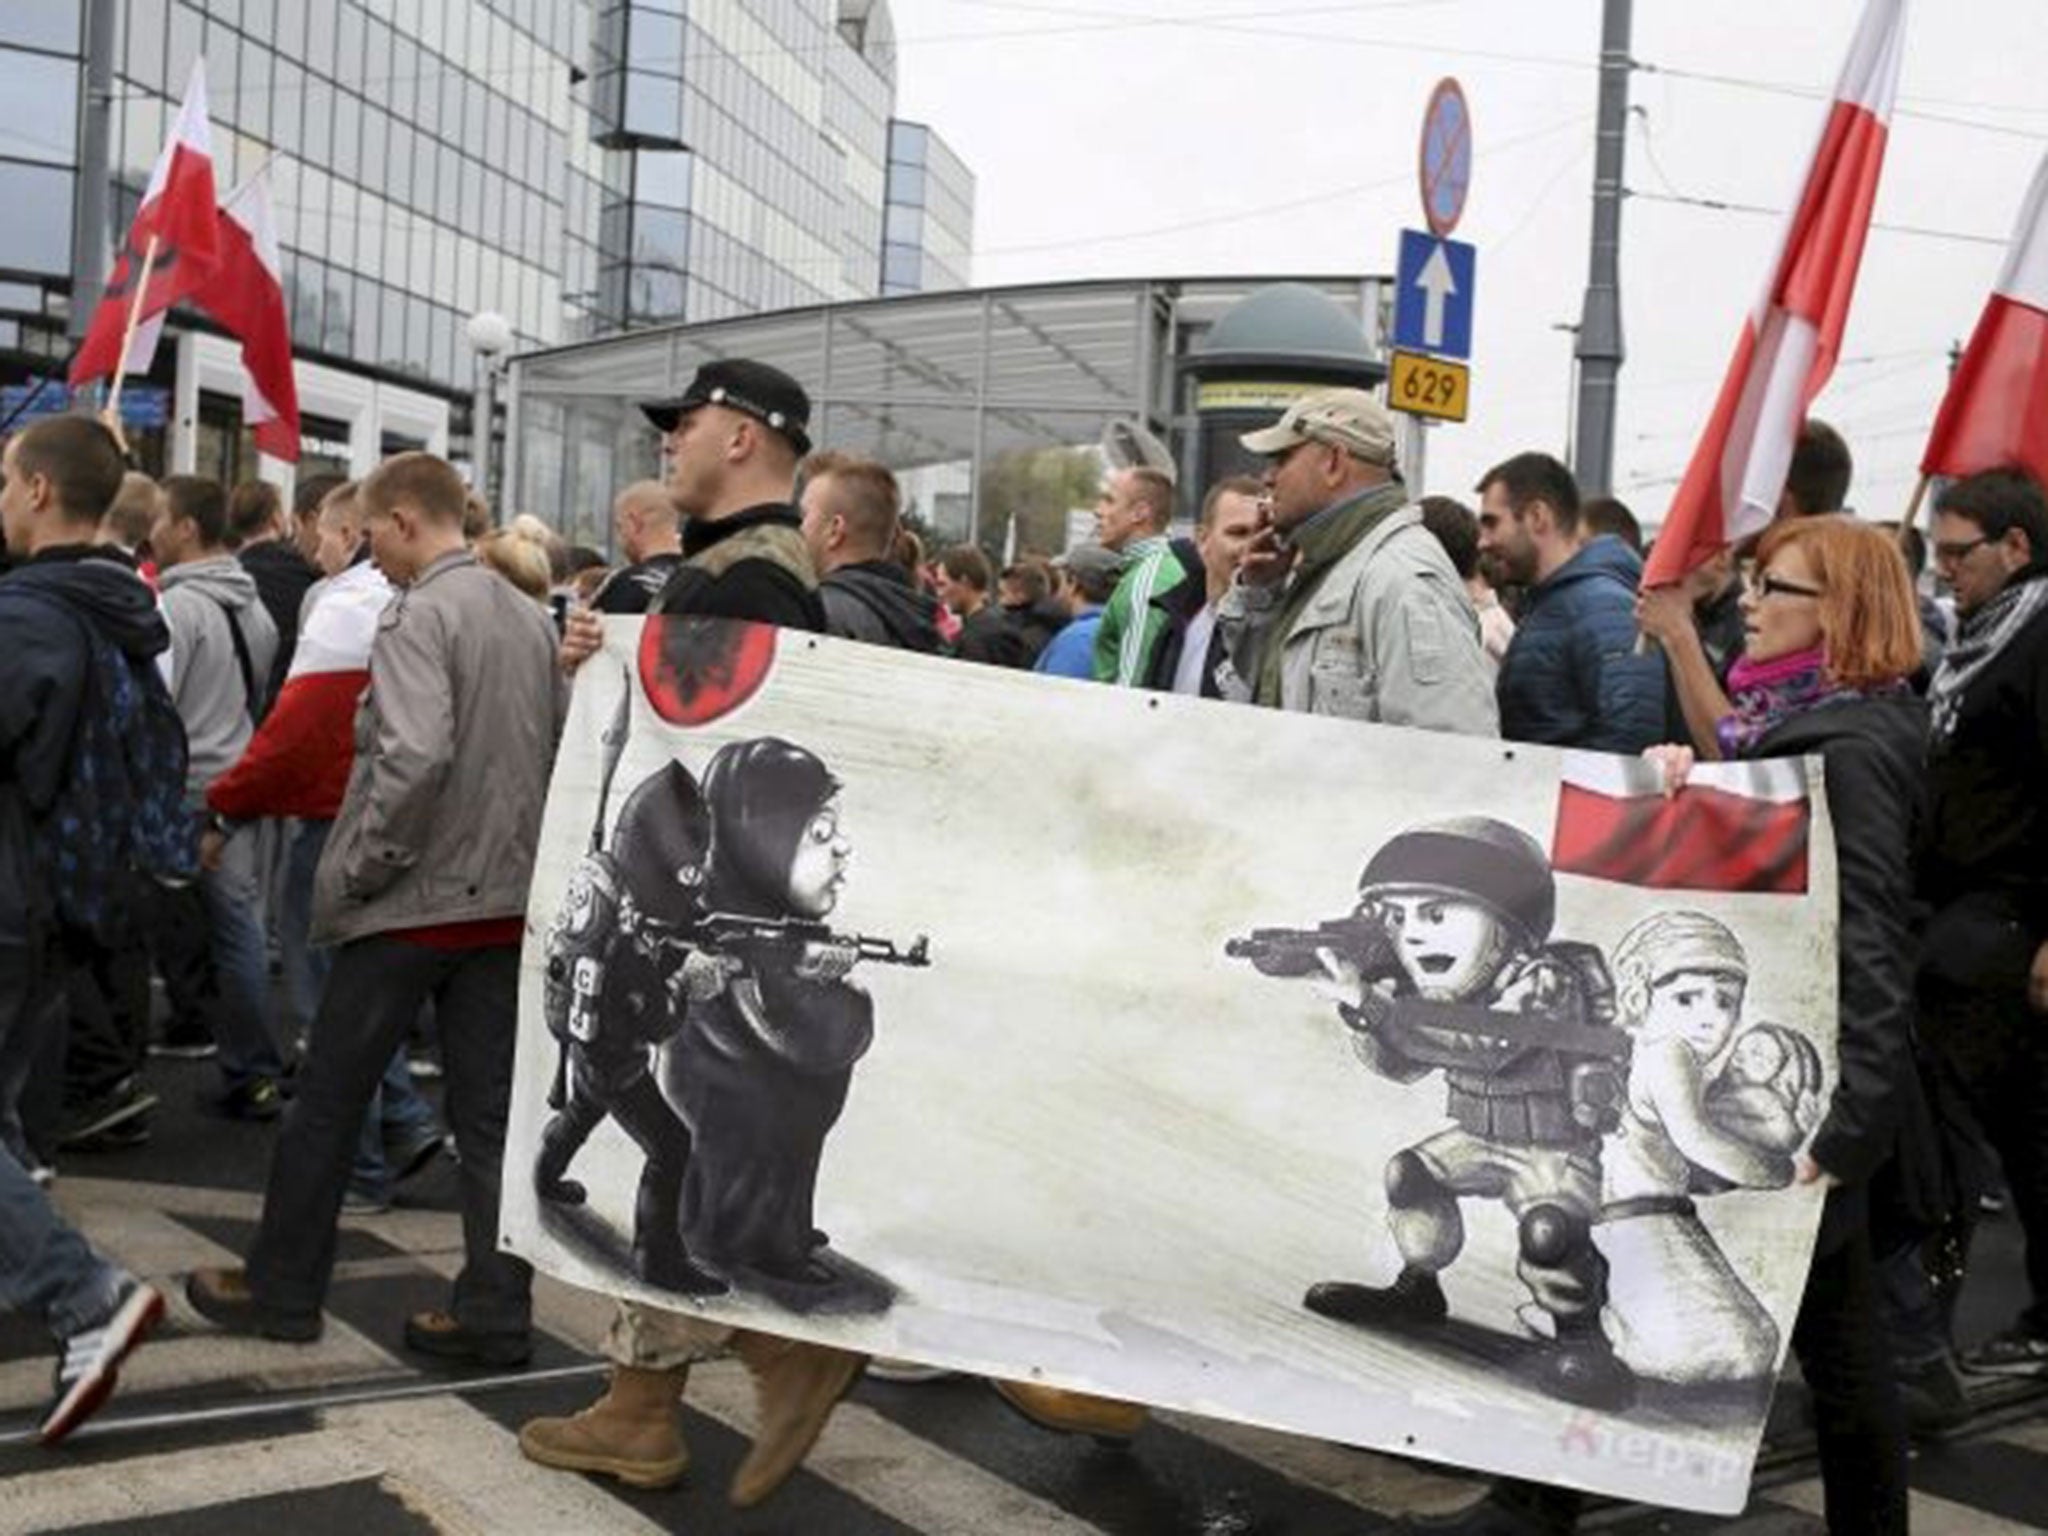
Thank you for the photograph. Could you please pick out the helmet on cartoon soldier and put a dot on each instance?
(1500, 867)
(660, 843)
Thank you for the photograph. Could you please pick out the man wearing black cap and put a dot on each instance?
(731, 443)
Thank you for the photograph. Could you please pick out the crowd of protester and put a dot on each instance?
(321, 692)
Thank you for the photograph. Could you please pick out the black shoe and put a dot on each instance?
(125, 1137)
(1414, 1297)
(561, 1191)
(255, 1099)
(1933, 1397)
(117, 1108)
(440, 1335)
(185, 1042)
(1586, 1372)
(2018, 1351)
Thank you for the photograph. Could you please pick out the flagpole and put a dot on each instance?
(1912, 518)
(111, 414)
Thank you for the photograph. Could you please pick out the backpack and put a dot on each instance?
(121, 810)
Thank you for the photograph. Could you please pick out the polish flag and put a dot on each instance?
(298, 762)
(1790, 341)
(1740, 826)
(246, 295)
(1996, 409)
(178, 212)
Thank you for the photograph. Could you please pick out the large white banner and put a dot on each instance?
(1427, 1094)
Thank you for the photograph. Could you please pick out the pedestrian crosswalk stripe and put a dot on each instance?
(942, 1459)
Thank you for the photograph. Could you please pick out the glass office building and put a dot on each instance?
(580, 166)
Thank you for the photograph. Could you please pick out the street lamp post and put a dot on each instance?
(490, 336)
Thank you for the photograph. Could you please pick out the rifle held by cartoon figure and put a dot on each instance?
(1359, 939)
(785, 940)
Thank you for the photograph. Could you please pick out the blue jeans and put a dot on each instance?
(397, 1114)
(305, 966)
(397, 1117)
(45, 1266)
(234, 906)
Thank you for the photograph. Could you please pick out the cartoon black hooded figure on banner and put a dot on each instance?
(617, 962)
(761, 1066)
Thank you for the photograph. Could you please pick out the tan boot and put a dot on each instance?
(1073, 1413)
(632, 1433)
(795, 1386)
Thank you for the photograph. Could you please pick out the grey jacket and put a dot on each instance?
(206, 676)
(454, 740)
(1389, 636)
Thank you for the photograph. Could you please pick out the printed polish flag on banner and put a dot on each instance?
(1789, 343)
(246, 295)
(1996, 409)
(1734, 827)
(178, 211)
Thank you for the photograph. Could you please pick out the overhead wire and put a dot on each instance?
(1728, 205)
(1813, 93)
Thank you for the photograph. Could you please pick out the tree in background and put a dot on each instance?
(1036, 489)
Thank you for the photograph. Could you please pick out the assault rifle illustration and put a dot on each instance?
(784, 940)
(1359, 939)
(1539, 1030)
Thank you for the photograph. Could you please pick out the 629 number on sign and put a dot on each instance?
(1428, 386)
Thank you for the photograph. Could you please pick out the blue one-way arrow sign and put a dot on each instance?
(1433, 299)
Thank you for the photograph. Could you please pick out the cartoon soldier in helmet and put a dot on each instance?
(1459, 913)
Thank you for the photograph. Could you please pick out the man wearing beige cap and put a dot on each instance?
(1346, 605)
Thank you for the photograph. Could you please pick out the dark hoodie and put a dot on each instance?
(1037, 622)
(282, 579)
(875, 601)
(41, 688)
(1572, 676)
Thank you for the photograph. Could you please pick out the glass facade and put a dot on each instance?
(928, 221)
(581, 166)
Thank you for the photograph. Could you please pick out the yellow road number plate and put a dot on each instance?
(1429, 386)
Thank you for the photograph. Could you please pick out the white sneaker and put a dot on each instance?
(92, 1361)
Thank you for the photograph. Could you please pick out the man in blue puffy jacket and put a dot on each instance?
(1572, 677)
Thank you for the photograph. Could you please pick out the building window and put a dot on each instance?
(56, 27)
(662, 177)
(902, 268)
(41, 121)
(36, 234)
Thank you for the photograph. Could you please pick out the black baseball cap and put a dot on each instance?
(741, 384)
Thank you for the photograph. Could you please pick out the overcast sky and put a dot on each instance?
(1133, 137)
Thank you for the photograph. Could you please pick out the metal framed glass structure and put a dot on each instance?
(923, 380)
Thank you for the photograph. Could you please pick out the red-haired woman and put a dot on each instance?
(1833, 635)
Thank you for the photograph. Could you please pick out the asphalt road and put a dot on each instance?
(353, 1436)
